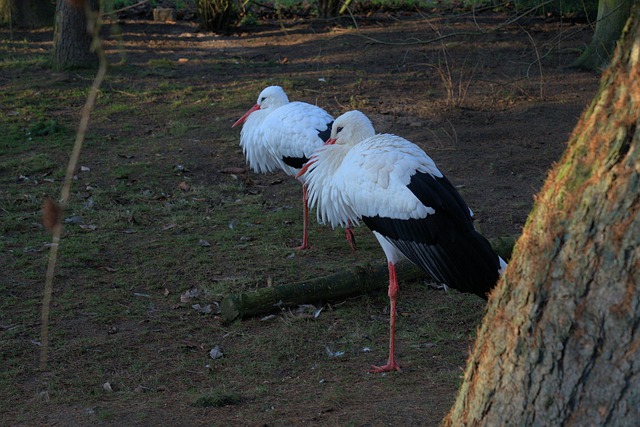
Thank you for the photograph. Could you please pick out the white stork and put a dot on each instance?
(395, 188)
(282, 135)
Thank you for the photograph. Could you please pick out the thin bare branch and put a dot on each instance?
(113, 12)
(537, 61)
(442, 37)
(94, 24)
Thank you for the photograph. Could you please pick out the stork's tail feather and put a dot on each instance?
(468, 265)
(462, 259)
(462, 268)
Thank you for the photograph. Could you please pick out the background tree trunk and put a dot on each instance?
(27, 13)
(71, 40)
(328, 8)
(560, 344)
(612, 15)
(217, 15)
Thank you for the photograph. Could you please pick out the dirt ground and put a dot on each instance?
(493, 110)
(493, 106)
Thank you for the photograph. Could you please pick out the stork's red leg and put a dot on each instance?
(305, 219)
(391, 365)
(351, 237)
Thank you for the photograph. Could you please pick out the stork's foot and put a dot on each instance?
(351, 237)
(303, 247)
(389, 367)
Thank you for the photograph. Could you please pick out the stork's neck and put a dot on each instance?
(331, 157)
(256, 118)
(325, 182)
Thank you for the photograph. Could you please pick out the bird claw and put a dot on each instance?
(389, 367)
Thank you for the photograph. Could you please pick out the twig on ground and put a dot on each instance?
(537, 61)
(475, 10)
(353, 18)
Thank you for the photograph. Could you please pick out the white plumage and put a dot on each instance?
(371, 180)
(395, 188)
(279, 135)
(282, 135)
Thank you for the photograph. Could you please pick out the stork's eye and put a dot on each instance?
(339, 129)
(263, 98)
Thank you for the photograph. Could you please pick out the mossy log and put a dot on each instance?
(354, 281)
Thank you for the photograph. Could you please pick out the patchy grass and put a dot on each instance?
(153, 215)
(216, 399)
(135, 240)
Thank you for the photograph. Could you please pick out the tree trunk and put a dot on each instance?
(612, 15)
(560, 344)
(27, 13)
(328, 8)
(71, 38)
(217, 15)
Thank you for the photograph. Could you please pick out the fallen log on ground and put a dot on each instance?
(354, 281)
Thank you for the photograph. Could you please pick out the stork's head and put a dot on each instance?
(270, 98)
(351, 128)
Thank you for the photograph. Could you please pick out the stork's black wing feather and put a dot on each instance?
(445, 244)
(295, 162)
(326, 133)
(298, 162)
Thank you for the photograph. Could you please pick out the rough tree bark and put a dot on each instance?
(560, 344)
(612, 15)
(27, 13)
(71, 38)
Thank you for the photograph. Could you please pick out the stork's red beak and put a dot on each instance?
(330, 141)
(311, 161)
(245, 115)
